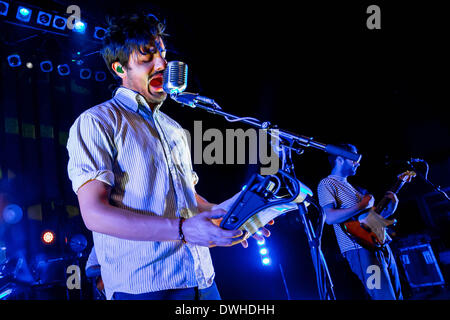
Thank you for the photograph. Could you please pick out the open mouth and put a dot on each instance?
(156, 82)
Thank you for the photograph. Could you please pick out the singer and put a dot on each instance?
(341, 201)
(131, 169)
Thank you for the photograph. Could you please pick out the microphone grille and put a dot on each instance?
(175, 77)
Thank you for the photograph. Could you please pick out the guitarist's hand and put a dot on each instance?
(367, 202)
(392, 206)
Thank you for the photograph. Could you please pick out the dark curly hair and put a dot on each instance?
(128, 33)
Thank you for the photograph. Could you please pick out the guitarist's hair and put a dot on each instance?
(345, 146)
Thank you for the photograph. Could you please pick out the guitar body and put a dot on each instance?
(362, 234)
(369, 229)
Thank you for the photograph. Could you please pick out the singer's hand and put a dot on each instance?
(259, 237)
(202, 231)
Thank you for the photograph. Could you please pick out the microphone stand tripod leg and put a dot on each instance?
(317, 256)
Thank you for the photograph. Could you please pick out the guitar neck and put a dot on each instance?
(385, 201)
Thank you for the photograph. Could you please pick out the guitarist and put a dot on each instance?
(340, 202)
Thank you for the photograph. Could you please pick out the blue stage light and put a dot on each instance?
(59, 22)
(12, 214)
(63, 69)
(23, 14)
(44, 18)
(78, 243)
(79, 27)
(46, 66)
(4, 6)
(14, 60)
(100, 76)
(99, 33)
(263, 251)
(266, 261)
(85, 73)
(261, 242)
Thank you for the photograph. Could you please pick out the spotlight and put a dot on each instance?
(100, 76)
(46, 66)
(260, 242)
(48, 237)
(44, 18)
(85, 73)
(14, 60)
(63, 69)
(29, 65)
(23, 14)
(78, 243)
(12, 214)
(263, 251)
(79, 27)
(4, 8)
(99, 33)
(266, 261)
(59, 22)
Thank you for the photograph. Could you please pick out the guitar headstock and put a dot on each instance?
(406, 176)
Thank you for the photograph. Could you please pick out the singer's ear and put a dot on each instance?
(118, 69)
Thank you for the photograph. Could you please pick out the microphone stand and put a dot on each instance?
(425, 178)
(288, 141)
(324, 286)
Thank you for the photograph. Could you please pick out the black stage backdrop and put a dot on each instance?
(313, 69)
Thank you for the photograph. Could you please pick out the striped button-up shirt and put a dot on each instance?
(144, 156)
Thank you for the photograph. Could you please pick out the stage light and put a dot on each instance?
(23, 14)
(266, 261)
(85, 73)
(46, 66)
(29, 65)
(48, 237)
(5, 294)
(63, 69)
(78, 243)
(44, 18)
(100, 76)
(14, 60)
(12, 214)
(263, 251)
(260, 242)
(4, 8)
(99, 33)
(59, 22)
(79, 27)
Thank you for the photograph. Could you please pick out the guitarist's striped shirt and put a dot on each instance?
(336, 190)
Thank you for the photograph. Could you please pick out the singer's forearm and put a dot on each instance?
(99, 216)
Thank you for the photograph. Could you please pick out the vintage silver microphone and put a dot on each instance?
(175, 82)
(175, 77)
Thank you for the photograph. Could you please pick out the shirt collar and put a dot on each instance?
(338, 178)
(133, 100)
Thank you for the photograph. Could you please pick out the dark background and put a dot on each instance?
(313, 69)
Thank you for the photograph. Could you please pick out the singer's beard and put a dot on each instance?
(153, 97)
